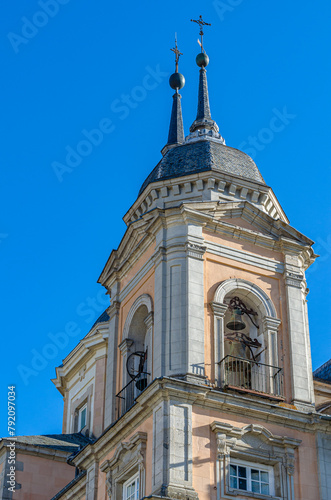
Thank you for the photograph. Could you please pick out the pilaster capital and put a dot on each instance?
(293, 279)
(159, 255)
(222, 448)
(290, 462)
(218, 309)
(125, 346)
(195, 251)
(270, 323)
(113, 309)
(149, 320)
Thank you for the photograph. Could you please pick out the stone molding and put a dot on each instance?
(76, 404)
(218, 309)
(209, 184)
(181, 493)
(273, 234)
(255, 444)
(293, 279)
(270, 323)
(142, 300)
(233, 284)
(113, 309)
(248, 258)
(149, 320)
(129, 459)
(195, 251)
(125, 345)
(204, 397)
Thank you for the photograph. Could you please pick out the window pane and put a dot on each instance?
(233, 482)
(242, 471)
(233, 470)
(255, 475)
(265, 477)
(255, 487)
(243, 484)
(83, 418)
(265, 489)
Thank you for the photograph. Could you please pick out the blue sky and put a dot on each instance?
(71, 67)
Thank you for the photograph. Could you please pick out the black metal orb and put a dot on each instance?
(177, 81)
(202, 60)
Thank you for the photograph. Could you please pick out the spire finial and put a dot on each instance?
(203, 125)
(176, 52)
(177, 80)
(201, 24)
(176, 129)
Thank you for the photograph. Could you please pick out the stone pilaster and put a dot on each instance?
(302, 386)
(219, 311)
(172, 451)
(111, 371)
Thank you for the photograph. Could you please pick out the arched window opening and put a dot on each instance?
(137, 360)
(243, 335)
(136, 351)
(245, 327)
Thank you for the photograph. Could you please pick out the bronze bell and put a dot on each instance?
(236, 323)
(141, 383)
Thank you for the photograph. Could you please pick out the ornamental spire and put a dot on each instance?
(203, 119)
(176, 129)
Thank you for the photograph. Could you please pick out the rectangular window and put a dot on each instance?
(131, 488)
(252, 478)
(82, 417)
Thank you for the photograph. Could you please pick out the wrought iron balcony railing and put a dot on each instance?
(251, 376)
(126, 397)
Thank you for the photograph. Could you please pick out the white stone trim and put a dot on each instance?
(244, 257)
(129, 459)
(268, 309)
(269, 321)
(142, 300)
(257, 445)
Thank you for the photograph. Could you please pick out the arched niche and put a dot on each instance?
(249, 358)
(137, 344)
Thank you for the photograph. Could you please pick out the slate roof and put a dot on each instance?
(65, 442)
(324, 372)
(203, 156)
(101, 319)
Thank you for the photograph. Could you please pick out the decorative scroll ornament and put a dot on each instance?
(221, 446)
(290, 464)
(82, 373)
(109, 484)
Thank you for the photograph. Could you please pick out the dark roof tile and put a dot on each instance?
(203, 156)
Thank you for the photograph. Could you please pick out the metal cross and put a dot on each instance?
(177, 53)
(201, 24)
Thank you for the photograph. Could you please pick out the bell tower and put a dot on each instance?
(208, 390)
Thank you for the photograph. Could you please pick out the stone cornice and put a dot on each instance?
(204, 397)
(223, 186)
(82, 353)
(237, 432)
(281, 237)
(37, 450)
(134, 243)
